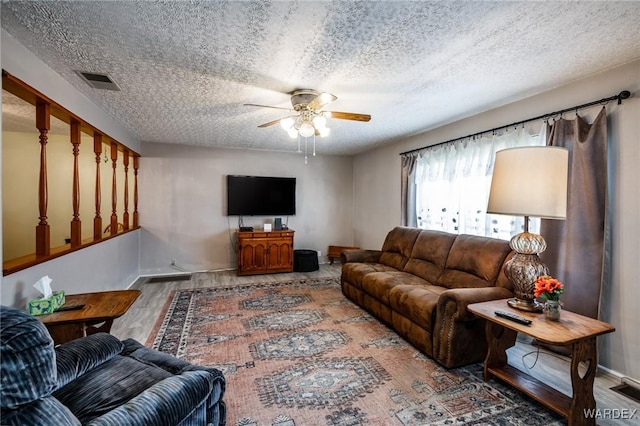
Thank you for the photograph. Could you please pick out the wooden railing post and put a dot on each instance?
(114, 192)
(136, 218)
(76, 224)
(125, 215)
(43, 232)
(97, 219)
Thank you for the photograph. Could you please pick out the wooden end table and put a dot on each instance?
(97, 315)
(577, 331)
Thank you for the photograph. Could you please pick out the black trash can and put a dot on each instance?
(305, 260)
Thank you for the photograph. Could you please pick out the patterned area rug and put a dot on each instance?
(299, 353)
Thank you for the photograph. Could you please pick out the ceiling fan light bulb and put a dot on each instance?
(286, 123)
(293, 133)
(319, 122)
(306, 130)
(324, 132)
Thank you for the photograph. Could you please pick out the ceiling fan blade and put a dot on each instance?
(349, 116)
(268, 106)
(321, 100)
(271, 123)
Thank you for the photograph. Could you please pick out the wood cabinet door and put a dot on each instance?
(280, 254)
(252, 256)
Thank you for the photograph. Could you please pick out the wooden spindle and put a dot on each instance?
(97, 219)
(114, 192)
(125, 215)
(136, 218)
(76, 224)
(43, 232)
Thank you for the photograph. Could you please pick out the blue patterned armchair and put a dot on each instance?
(99, 380)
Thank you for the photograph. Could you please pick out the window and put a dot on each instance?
(453, 181)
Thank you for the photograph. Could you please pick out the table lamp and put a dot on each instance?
(529, 181)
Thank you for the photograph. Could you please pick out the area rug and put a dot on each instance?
(300, 353)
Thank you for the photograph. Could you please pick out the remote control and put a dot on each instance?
(69, 308)
(513, 317)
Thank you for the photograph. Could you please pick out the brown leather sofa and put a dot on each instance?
(420, 284)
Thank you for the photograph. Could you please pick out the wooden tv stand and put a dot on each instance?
(261, 252)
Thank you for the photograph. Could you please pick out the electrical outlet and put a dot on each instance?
(319, 253)
(173, 262)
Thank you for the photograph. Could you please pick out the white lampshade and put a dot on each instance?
(293, 133)
(306, 130)
(287, 122)
(530, 181)
(319, 122)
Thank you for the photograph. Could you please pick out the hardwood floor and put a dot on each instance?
(613, 408)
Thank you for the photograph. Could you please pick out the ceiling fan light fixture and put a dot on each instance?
(306, 129)
(287, 123)
(324, 132)
(319, 122)
(292, 132)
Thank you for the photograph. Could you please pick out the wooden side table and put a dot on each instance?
(577, 331)
(97, 315)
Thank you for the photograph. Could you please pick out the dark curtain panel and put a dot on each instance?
(575, 246)
(408, 190)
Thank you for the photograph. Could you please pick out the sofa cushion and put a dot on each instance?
(378, 284)
(353, 273)
(28, 359)
(417, 303)
(474, 261)
(429, 254)
(108, 386)
(397, 247)
(78, 356)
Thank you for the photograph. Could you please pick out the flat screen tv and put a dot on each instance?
(260, 196)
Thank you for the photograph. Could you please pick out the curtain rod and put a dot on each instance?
(620, 96)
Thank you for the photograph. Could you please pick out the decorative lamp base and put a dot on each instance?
(525, 305)
(523, 269)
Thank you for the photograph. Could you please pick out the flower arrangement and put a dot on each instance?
(548, 288)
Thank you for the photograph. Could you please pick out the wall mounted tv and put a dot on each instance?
(260, 196)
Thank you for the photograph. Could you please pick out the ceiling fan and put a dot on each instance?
(310, 118)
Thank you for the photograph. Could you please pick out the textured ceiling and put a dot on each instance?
(186, 68)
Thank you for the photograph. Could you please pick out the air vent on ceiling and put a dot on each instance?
(98, 81)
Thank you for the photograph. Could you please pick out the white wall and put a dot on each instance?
(110, 265)
(183, 203)
(377, 187)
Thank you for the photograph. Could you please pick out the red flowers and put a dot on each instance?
(548, 288)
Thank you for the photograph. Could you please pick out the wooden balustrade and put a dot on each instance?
(97, 219)
(43, 123)
(114, 189)
(45, 108)
(136, 218)
(76, 224)
(125, 215)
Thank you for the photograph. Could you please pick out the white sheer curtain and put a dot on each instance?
(453, 181)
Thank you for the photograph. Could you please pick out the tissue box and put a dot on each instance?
(47, 306)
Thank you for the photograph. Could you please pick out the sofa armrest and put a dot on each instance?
(460, 298)
(76, 357)
(361, 256)
(173, 365)
(166, 403)
(458, 335)
(169, 363)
